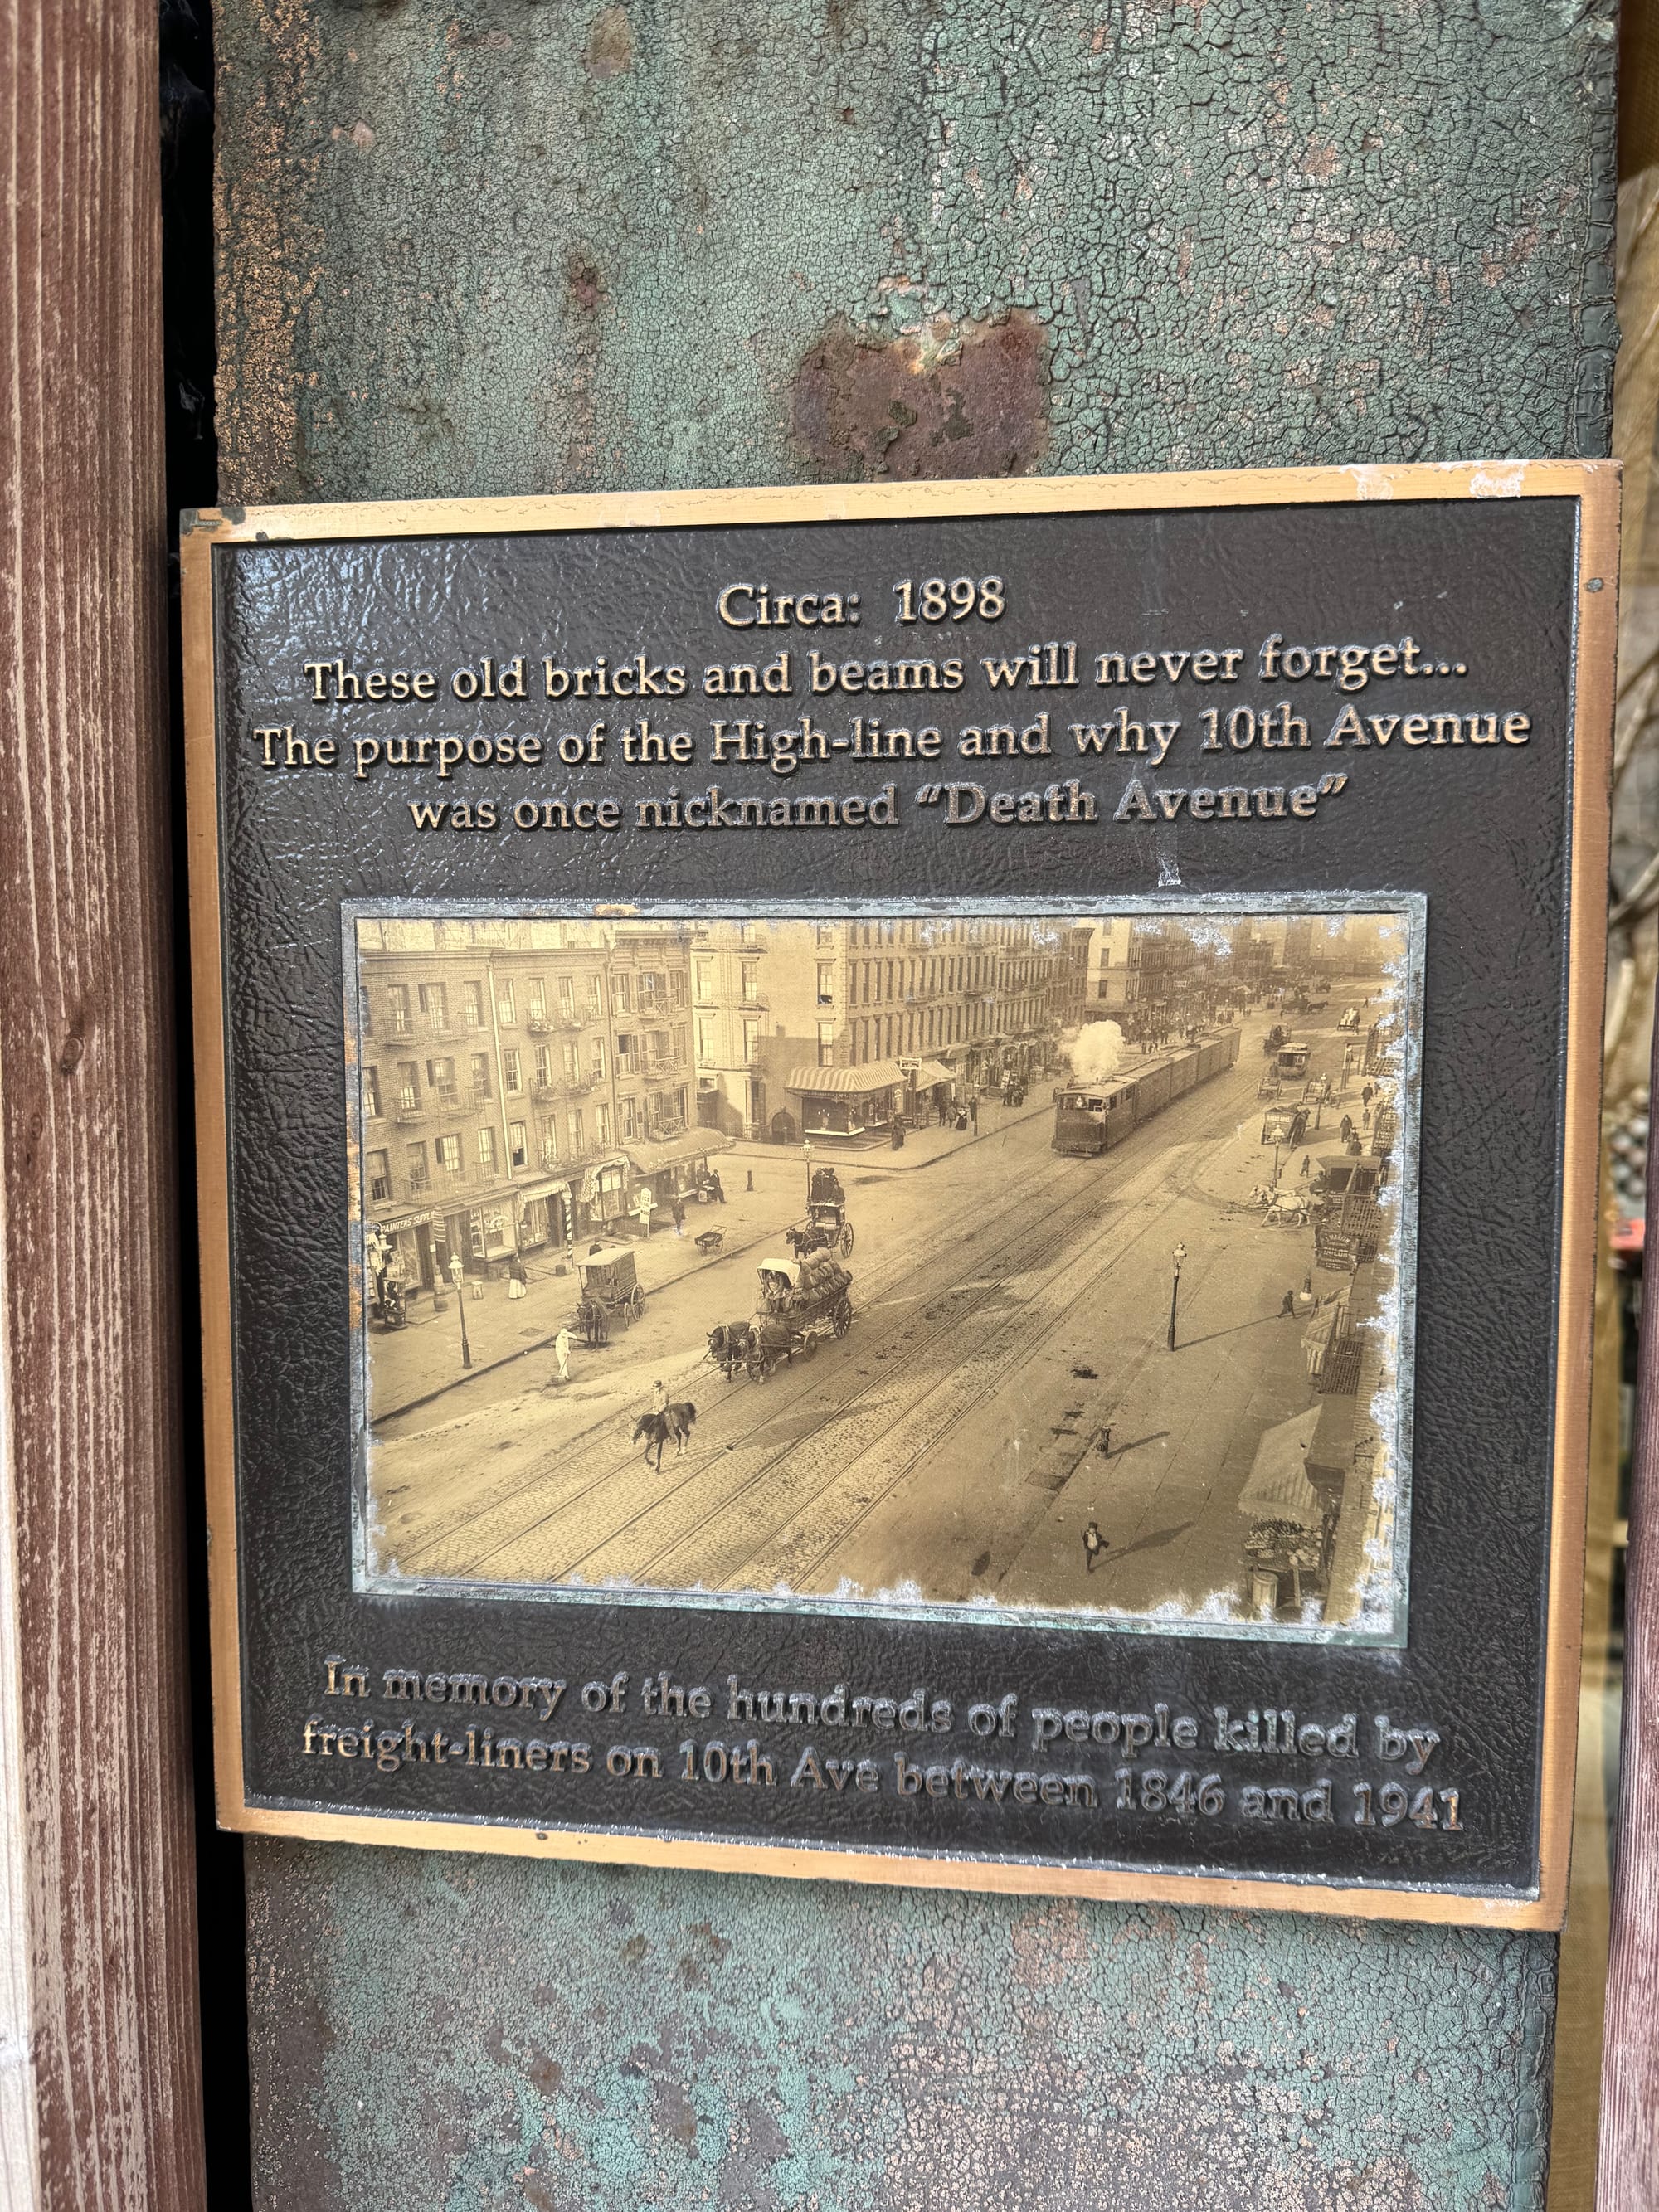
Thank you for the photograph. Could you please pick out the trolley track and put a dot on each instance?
(905, 1347)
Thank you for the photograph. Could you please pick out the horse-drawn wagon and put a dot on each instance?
(826, 1228)
(804, 1301)
(610, 1288)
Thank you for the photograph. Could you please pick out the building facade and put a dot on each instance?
(918, 1006)
(522, 1083)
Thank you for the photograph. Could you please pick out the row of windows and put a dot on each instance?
(647, 991)
(437, 1081)
(940, 975)
(445, 1163)
(934, 1029)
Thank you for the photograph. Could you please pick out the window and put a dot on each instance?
(511, 1073)
(602, 1125)
(415, 1160)
(706, 1028)
(372, 1106)
(481, 1075)
(629, 1112)
(595, 996)
(547, 1139)
(573, 1063)
(826, 983)
(365, 1012)
(535, 992)
(751, 982)
(628, 1053)
(679, 1040)
(396, 1003)
(380, 1175)
(449, 1158)
(518, 1144)
(826, 1044)
(705, 981)
(578, 1135)
(409, 1086)
(486, 1148)
(751, 1030)
(440, 1075)
(750, 933)
(598, 1059)
(619, 994)
(677, 986)
(567, 997)
(434, 1005)
(653, 992)
(826, 932)
(473, 1006)
(507, 1010)
(657, 1045)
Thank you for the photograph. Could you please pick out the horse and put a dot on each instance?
(657, 1428)
(769, 1342)
(728, 1347)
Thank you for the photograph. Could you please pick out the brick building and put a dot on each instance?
(830, 1027)
(522, 1083)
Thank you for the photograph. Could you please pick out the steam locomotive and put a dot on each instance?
(1092, 1117)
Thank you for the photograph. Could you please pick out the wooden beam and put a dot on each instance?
(100, 2083)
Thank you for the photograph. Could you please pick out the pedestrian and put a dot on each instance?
(517, 1287)
(717, 1186)
(1304, 1166)
(1104, 1440)
(1366, 1096)
(562, 1353)
(750, 1185)
(973, 1111)
(1365, 1117)
(1287, 1310)
(1093, 1543)
(1346, 1127)
(677, 1207)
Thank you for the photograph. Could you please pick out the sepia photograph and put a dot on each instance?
(1057, 1264)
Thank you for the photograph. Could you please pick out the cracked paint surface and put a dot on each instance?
(449, 2032)
(1241, 233)
(551, 244)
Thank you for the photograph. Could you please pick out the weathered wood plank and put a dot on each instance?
(100, 2067)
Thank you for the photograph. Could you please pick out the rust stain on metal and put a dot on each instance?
(950, 399)
(609, 48)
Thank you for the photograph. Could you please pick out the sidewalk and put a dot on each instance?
(410, 1367)
(922, 1148)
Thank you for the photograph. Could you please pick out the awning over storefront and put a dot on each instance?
(847, 1082)
(930, 1073)
(591, 1179)
(1278, 1488)
(545, 1187)
(647, 1158)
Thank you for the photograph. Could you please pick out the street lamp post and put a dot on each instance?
(1176, 1259)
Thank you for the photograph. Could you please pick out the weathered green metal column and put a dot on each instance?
(540, 245)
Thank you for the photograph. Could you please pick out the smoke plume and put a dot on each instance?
(1095, 1052)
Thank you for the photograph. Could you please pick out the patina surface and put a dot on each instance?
(518, 247)
(531, 245)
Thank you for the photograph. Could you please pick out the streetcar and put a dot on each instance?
(1092, 1117)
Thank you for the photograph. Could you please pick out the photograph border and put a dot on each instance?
(1594, 486)
(966, 1613)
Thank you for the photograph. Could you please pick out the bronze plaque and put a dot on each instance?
(899, 1181)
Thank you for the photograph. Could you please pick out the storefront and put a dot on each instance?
(930, 1094)
(400, 1237)
(604, 1197)
(544, 1219)
(848, 1105)
(676, 1167)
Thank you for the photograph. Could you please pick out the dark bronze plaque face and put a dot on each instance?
(899, 1183)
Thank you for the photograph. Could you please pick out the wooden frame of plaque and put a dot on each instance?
(476, 1015)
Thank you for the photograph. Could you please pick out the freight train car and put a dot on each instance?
(1090, 1118)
